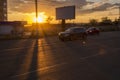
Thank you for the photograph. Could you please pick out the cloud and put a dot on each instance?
(93, 5)
(20, 5)
(97, 6)
(48, 6)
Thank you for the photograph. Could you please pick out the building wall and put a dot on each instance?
(11, 28)
(3, 10)
(6, 29)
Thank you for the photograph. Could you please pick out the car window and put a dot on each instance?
(92, 29)
(79, 30)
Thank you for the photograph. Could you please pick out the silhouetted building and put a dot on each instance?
(3, 10)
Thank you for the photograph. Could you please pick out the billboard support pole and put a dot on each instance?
(63, 24)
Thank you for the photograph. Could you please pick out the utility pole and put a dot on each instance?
(119, 12)
(36, 11)
(119, 19)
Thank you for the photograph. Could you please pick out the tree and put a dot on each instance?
(49, 19)
(93, 22)
(106, 21)
(116, 21)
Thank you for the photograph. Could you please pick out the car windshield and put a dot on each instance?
(93, 28)
(79, 29)
(68, 30)
(75, 29)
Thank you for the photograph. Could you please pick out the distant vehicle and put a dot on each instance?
(93, 31)
(73, 33)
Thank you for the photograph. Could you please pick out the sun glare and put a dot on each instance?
(41, 18)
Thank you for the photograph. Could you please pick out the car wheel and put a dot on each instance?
(98, 33)
(61, 39)
(72, 38)
(84, 37)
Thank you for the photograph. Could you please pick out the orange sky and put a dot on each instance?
(79, 18)
(24, 11)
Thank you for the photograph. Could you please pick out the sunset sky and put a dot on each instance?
(85, 9)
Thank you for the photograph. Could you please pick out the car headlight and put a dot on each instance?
(59, 34)
(90, 31)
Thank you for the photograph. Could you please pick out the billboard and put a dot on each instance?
(67, 12)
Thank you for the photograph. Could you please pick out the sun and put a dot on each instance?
(41, 18)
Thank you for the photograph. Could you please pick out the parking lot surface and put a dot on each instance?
(50, 59)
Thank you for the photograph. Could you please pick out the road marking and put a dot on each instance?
(38, 70)
(90, 56)
(19, 48)
(49, 67)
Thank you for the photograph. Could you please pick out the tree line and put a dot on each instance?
(104, 21)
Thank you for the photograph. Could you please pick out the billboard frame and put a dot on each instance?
(66, 12)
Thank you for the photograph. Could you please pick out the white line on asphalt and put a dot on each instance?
(90, 56)
(38, 70)
(49, 67)
(19, 48)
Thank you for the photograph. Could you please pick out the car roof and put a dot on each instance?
(93, 28)
(76, 28)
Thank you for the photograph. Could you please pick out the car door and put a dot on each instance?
(76, 32)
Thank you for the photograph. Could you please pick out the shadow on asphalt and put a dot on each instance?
(34, 63)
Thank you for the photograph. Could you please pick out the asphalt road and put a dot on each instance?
(50, 59)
